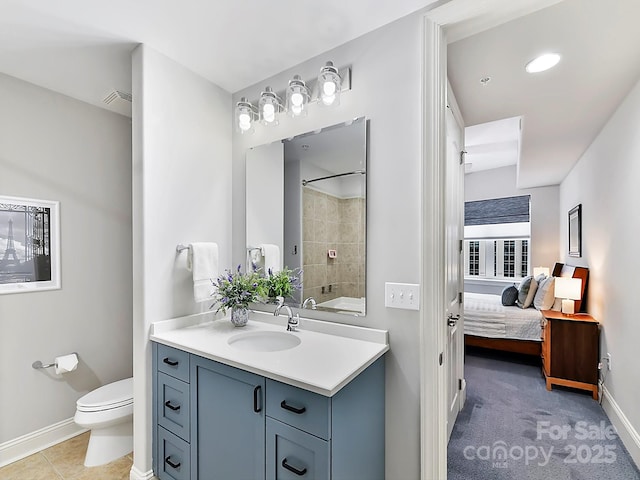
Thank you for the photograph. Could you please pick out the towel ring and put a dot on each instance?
(180, 247)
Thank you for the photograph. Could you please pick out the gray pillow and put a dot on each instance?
(526, 291)
(509, 296)
(545, 294)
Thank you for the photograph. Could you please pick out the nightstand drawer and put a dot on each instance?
(299, 408)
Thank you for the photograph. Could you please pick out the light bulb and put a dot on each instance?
(244, 125)
(296, 109)
(329, 88)
(328, 99)
(268, 112)
(244, 118)
(297, 99)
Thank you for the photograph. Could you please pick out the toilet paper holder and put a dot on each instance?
(38, 364)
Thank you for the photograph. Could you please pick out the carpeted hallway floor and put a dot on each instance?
(512, 428)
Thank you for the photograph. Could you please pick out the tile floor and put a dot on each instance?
(64, 461)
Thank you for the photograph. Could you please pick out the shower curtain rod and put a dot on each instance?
(356, 172)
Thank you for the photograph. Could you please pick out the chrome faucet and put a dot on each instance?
(310, 300)
(292, 322)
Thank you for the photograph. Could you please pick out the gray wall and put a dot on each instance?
(501, 182)
(605, 182)
(181, 194)
(55, 148)
(386, 66)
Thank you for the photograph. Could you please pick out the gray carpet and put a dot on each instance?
(512, 428)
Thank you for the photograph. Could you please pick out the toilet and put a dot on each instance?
(108, 413)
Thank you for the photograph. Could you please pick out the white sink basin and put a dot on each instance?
(264, 341)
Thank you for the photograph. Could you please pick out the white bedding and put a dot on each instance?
(485, 316)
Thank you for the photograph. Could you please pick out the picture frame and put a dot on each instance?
(575, 231)
(29, 245)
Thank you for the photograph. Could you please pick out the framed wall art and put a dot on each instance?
(575, 231)
(29, 245)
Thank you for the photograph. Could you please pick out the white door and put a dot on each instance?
(454, 207)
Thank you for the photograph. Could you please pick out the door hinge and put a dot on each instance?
(440, 359)
(462, 154)
(460, 297)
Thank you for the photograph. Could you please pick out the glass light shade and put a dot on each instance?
(542, 63)
(245, 115)
(329, 85)
(269, 107)
(297, 97)
(540, 270)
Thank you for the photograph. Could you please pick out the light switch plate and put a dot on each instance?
(402, 295)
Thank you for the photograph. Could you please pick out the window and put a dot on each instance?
(497, 238)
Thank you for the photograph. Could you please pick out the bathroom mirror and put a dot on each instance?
(307, 196)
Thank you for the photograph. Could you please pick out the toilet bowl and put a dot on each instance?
(108, 413)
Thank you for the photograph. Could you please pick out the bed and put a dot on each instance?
(489, 324)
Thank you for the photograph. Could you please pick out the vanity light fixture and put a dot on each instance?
(269, 107)
(297, 97)
(329, 85)
(542, 63)
(245, 115)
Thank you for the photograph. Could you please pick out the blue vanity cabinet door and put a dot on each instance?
(293, 454)
(173, 455)
(228, 430)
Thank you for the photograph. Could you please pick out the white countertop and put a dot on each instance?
(329, 356)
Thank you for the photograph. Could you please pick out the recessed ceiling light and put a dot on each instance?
(542, 63)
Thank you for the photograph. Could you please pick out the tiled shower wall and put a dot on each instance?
(331, 223)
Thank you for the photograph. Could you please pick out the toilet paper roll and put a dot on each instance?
(66, 363)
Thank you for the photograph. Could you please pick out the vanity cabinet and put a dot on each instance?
(246, 426)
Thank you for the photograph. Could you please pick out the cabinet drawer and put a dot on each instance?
(173, 405)
(173, 362)
(299, 408)
(173, 457)
(292, 454)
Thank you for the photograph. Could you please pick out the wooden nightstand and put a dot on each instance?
(570, 346)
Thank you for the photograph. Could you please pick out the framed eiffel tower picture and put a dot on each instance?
(29, 245)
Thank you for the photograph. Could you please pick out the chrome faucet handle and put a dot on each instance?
(280, 301)
(310, 300)
(293, 323)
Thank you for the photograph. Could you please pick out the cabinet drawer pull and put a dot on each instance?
(170, 463)
(175, 408)
(295, 410)
(256, 399)
(172, 363)
(293, 469)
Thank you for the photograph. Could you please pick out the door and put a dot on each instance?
(229, 439)
(454, 206)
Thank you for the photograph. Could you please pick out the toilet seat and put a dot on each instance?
(114, 395)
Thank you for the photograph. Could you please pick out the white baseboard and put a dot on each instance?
(34, 442)
(627, 433)
(138, 475)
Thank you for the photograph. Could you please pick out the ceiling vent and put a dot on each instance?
(119, 102)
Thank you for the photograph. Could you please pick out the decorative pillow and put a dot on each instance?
(539, 278)
(509, 296)
(545, 294)
(526, 291)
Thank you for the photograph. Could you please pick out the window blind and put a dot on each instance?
(497, 210)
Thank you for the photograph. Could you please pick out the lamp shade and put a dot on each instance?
(569, 288)
(540, 270)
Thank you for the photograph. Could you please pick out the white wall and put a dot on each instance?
(55, 148)
(501, 182)
(386, 66)
(181, 194)
(605, 182)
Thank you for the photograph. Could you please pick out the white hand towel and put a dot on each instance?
(271, 255)
(202, 261)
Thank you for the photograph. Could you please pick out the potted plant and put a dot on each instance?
(235, 291)
(281, 284)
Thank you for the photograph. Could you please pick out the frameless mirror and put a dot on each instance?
(306, 196)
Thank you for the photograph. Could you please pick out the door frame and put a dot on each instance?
(467, 17)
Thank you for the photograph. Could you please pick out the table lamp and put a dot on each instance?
(568, 289)
(538, 270)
